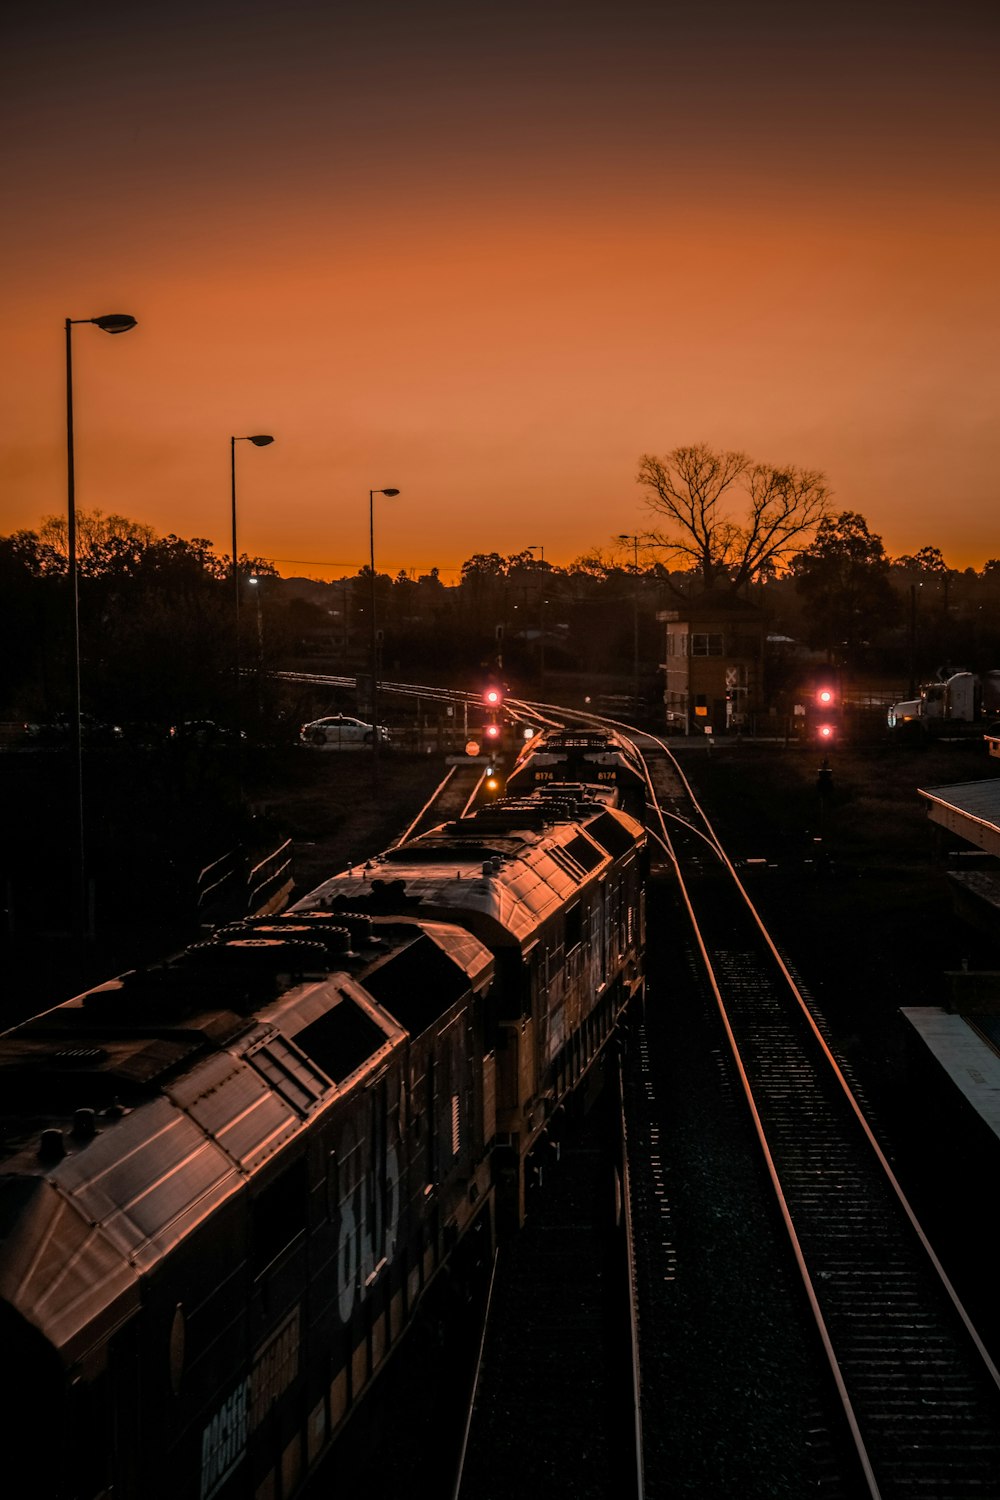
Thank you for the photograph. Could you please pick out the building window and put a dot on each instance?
(706, 645)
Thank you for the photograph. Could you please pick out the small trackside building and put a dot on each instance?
(713, 666)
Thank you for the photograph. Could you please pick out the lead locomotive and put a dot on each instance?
(228, 1180)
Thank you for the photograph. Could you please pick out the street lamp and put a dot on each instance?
(108, 323)
(374, 634)
(259, 440)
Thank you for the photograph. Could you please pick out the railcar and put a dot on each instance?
(597, 759)
(554, 886)
(228, 1181)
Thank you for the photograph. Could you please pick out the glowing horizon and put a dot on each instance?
(490, 258)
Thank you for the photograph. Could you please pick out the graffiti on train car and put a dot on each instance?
(369, 1216)
(275, 1366)
(224, 1438)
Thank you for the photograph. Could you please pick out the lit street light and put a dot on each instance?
(374, 633)
(259, 440)
(108, 323)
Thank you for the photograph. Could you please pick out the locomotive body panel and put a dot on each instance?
(227, 1182)
(554, 886)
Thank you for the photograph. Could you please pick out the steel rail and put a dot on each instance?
(834, 1069)
(837, 1073)
(437, 792)
(470, 1408)
(797, 1251)
(708, 834)
(631, 1275)
(806, 1278)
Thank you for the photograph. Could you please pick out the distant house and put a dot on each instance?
(713, 663)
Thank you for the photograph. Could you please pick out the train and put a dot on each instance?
(603, 762)
(230, 1179)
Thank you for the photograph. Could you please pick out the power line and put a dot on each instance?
(324, 562)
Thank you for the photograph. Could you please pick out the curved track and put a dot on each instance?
(917, 1389)
(907, 1399)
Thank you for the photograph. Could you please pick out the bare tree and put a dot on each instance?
(100, 538)
(696, 488)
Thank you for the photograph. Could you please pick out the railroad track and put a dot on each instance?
(797, 1332)
(551, 1410)
(453, 797)
(900, 1397)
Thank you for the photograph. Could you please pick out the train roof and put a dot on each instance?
(586, 743)
(500, 872)
(581, 752)
(132, 1113)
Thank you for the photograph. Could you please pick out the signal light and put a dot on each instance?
(493, 696)
(826, 731)
(492, 731)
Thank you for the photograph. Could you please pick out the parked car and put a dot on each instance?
(62, 728)
(340, 731)
(204, 732)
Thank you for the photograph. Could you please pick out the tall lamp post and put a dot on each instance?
(108, 323)
(374, 632)
(259, 440)
(625, 536)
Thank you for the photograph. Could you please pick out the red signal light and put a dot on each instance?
(492, 731)
(825, 731)
(493, 696)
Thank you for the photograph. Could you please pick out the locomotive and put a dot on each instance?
(599, 760)
(230, 1179)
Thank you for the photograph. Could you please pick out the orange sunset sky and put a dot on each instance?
(490, 252)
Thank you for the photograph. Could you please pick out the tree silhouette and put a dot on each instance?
(731, 518)
(844, 577)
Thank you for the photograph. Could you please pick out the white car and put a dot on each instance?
(340, 732)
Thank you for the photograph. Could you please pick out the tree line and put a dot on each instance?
(161, 637)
